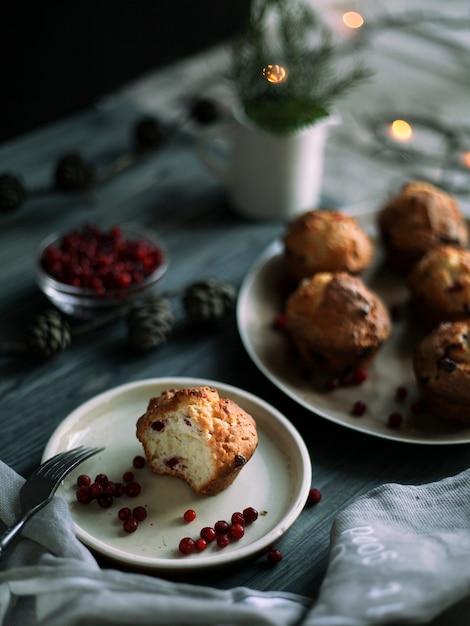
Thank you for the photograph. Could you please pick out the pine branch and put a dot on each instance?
(289, 33)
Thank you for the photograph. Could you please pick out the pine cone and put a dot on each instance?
(48, 334)
(150, 323)
(148, 133)
(12, 193)
(208, 301)
(204, 111)
(74, 173)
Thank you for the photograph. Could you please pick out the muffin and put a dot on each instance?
(441, 364)
(439, 284)
(198, 436)
(336, 323)
(326, 241)
(419, 218)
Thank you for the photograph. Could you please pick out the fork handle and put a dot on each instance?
(11, 533)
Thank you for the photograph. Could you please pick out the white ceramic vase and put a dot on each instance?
(268, 176)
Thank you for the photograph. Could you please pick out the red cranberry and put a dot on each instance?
(132, 489)
(84, 480)
(187, 545)
(105, 501)
(314, 496)
(83, 495)
(401, 393)
(394, 420)
(118, 490)
(250, 514)
(238, 518)
(360, 375)
(96, 489)
(101, 261)
(124, 513)
(101, 478)
(221, 527)
(173, 462)
(236, 531)
(332, 384)
(130, 525)
(138, 461)
(108, 488)
(280, 322)
(189, 515)
(201, 544)
(274, 556)
(208, 533)
(223, 541)
(139, 513)
(127, 477)
(359, 408)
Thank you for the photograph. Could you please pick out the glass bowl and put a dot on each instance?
(115, 267)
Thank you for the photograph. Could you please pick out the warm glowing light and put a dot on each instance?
(466, 159)
(401, 130)
(353, 20)
(275, 73)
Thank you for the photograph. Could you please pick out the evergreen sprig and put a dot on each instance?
(289, 33)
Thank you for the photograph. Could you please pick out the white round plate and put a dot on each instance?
(260, 301)
(275, 481)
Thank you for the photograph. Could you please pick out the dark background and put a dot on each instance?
(58, 58)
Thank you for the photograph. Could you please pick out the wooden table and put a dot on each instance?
(173, 193)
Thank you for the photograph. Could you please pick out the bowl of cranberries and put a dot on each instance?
(92, 270)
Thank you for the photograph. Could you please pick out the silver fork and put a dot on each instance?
(41, 486)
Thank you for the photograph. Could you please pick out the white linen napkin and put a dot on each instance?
(398, 555)
(49, 578)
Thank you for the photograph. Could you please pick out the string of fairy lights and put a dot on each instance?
(441, 150)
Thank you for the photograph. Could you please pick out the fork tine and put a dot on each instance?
(61, 464)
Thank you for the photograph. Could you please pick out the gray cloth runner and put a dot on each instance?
(398, 555)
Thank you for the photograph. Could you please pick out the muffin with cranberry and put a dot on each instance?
(336, 323)
(198, 436)
(419, 218)
(441, 364)
(326, 241)
(439, 284)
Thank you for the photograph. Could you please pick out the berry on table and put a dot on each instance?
(274, 556)
(314, 496)
(189, 515)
